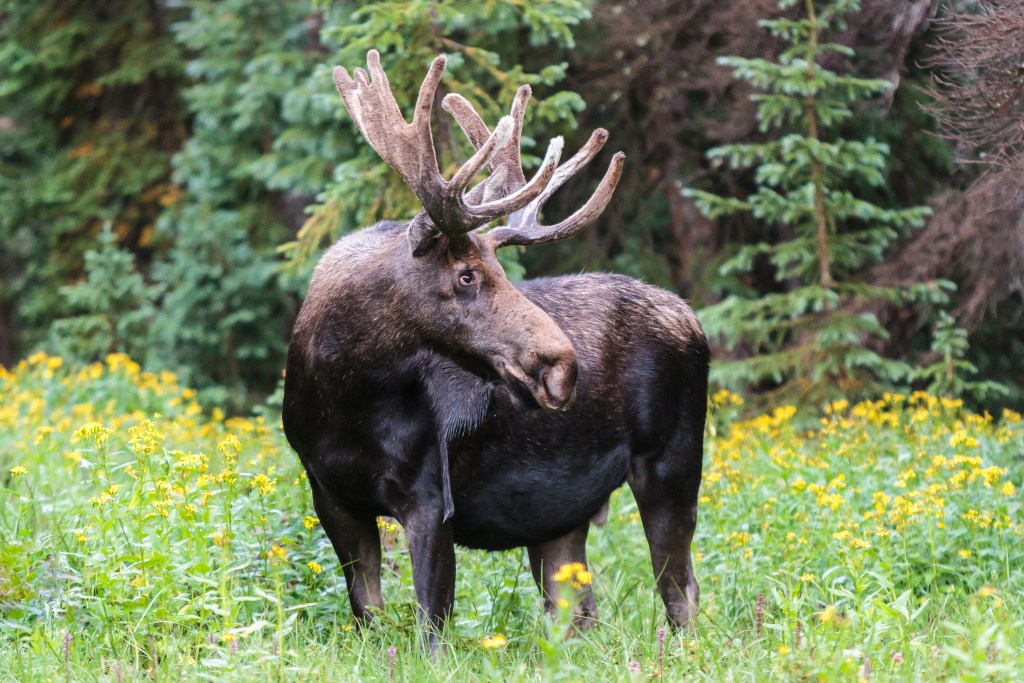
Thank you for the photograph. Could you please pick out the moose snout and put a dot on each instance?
(558, 381)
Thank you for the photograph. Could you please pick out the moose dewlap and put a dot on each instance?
(423, 385)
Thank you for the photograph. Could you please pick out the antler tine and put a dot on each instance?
(563, 173)
(506, 164)
(523, 227)
(476, 130)
(529, 231)
(407, 148)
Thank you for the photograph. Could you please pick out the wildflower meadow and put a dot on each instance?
(142, 537)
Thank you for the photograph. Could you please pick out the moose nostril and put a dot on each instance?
(559, 382)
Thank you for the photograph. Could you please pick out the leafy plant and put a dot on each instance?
(143, 538)
(950, 374)
(113, 307)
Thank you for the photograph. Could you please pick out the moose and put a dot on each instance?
(423, 385)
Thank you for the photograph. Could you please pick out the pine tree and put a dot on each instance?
(809, 339)
(952, 374)
(113, 306)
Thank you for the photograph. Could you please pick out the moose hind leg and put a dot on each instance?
(356, 540)
(545, 561)
(666, 489)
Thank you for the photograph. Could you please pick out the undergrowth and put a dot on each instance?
(144, 539)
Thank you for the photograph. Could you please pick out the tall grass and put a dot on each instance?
(143, 539)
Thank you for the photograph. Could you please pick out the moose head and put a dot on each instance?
(450, 286)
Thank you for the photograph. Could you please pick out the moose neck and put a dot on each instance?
(363, 304)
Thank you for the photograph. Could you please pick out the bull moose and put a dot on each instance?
(424, 385)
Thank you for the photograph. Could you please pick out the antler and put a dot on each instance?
(523, 226)
(409, 149)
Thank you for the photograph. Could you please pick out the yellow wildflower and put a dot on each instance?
(738, 539)
(263, 484)
(725, 397)
(565, 572)
(386, 526)
(574, 574)
(18, 471)
(92, 430)
(965, 553)
(837, 407)
(961, 438)
(106, 496)
(277, 554)
(37, 358)
(314, 567)
(229, 448)
(310, 522)
(495, 641)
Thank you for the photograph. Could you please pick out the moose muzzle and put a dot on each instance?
(549, 378)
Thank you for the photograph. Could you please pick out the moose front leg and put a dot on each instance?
(432, 551)
(356, 540)
(545, 561)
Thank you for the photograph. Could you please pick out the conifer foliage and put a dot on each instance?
(809, 339)
(198, 132)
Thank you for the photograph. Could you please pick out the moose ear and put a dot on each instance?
(422, 233)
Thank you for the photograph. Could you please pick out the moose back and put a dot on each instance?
(423, 385)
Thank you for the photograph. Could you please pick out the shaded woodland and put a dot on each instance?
(171, 171)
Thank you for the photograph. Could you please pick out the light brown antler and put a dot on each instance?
(409, 149)
(523, 226)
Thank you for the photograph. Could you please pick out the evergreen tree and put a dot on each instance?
(951, 374)
(809, 339)
(223, 316)
(112, 307)
(89, 120)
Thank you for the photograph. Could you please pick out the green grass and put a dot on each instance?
(140, 538)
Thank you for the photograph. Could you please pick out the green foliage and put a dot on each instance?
(142, 539)
(199, 131)
(810, 339)
(950, 374)
(113, 306)
(88, 95)
(221, 322)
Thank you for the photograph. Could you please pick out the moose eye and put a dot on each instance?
(467, 278)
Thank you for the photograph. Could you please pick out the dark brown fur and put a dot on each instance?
(392, 375)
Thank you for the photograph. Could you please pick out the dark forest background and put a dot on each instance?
(171, 169)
